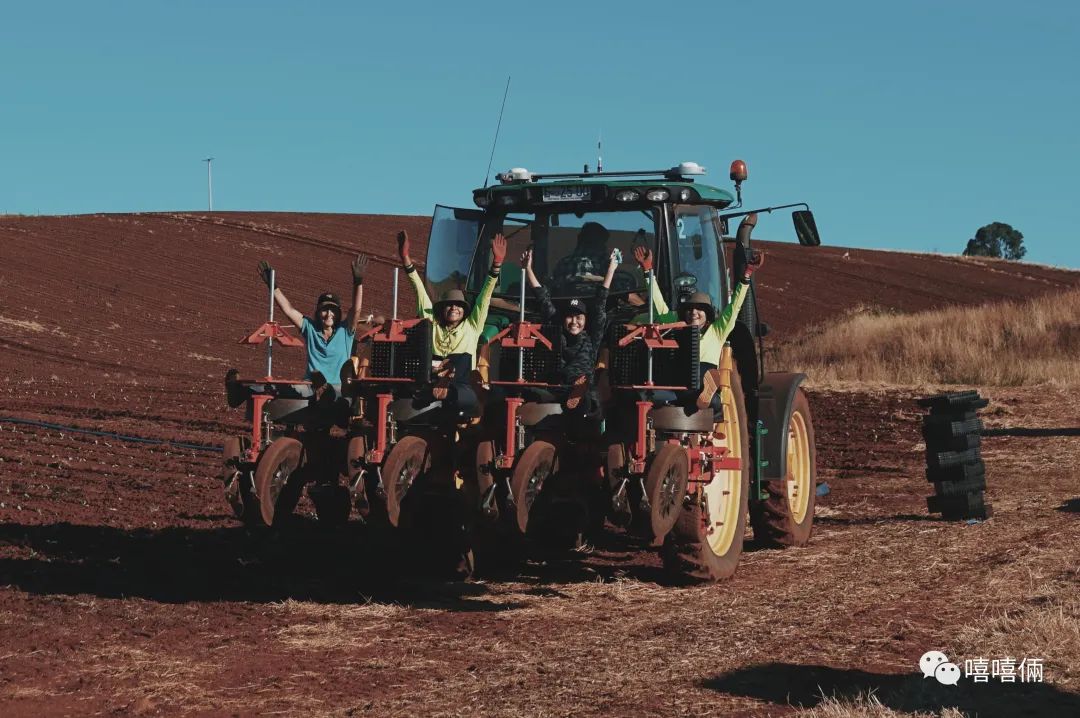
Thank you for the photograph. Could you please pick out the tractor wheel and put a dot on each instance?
(409, 458)
(275, 483)
(786, 516)
(239, 484)
(536, 465)
(707, 540)
(665, 486)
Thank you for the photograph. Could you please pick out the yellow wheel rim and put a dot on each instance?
(798, 467)
(723, 495)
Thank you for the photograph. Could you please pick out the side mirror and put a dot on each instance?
(806, 228)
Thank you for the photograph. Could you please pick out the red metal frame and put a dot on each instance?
(521, 335)
(653, 335)
(506, 460)
(272, 330)
(376, 454)
(392, 330)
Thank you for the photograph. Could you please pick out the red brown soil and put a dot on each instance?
(127, 588)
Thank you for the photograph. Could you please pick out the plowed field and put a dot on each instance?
(126, 588)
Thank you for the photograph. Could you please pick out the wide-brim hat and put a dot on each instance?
(702, 301)
(452, 296)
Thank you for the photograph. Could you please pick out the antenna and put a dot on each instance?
(497, 127)
(210, 192)
(599, 152)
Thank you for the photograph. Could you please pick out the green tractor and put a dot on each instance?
(691, 479)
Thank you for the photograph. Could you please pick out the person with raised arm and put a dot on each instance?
(457, 327)
(582, 332)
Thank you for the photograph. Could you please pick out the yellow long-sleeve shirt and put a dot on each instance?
(713, 336)
(463, 338)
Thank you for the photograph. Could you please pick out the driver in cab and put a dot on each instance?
(589, 260)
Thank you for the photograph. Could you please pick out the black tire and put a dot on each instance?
(946, 426)
(957, 473)
(953, 443)
(948, 399)
(786, 516)
(536, 465)
(945, 459)
(665, 485)
(960, 488)
(408, 460)
(239, 481)
(972, 505)
(690, 551)
(278, 481)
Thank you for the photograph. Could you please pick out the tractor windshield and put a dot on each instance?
(696, 255)
(570, 251)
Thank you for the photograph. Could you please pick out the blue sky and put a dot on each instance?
(906, 126)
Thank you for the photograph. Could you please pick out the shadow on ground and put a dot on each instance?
(306, 562)
(1071, 506)
(806, 686)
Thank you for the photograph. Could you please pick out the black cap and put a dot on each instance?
(574, 306)
(327, 299)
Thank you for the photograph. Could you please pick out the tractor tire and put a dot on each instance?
(536, 465)
(277, 480)
(945, 459)
(972, 505)
(408, 460)
(707, 539)
(953, 443)
(665, 485)
(786, 516)
(239, 483)
(959, 488)
(935, 427)
(957, 473)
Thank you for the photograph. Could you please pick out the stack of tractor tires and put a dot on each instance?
(953, 461)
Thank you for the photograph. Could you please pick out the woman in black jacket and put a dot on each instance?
(582, 332)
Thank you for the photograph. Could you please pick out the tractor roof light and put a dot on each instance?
(657, 195)
(738, 172)
(627, 195)
(481, 199)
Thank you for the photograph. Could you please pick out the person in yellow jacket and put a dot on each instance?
(698, 310)
(456, 328)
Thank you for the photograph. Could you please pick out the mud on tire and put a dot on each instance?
(786, 516)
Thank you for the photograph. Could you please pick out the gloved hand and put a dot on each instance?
(754, 263)
(498, 250)
(403, 246)
(643, 256)
(359, 266)
(526, 258)
(264, 271)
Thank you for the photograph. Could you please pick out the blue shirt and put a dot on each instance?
(326, 356)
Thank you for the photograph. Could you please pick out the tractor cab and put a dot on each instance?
(573, 221)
